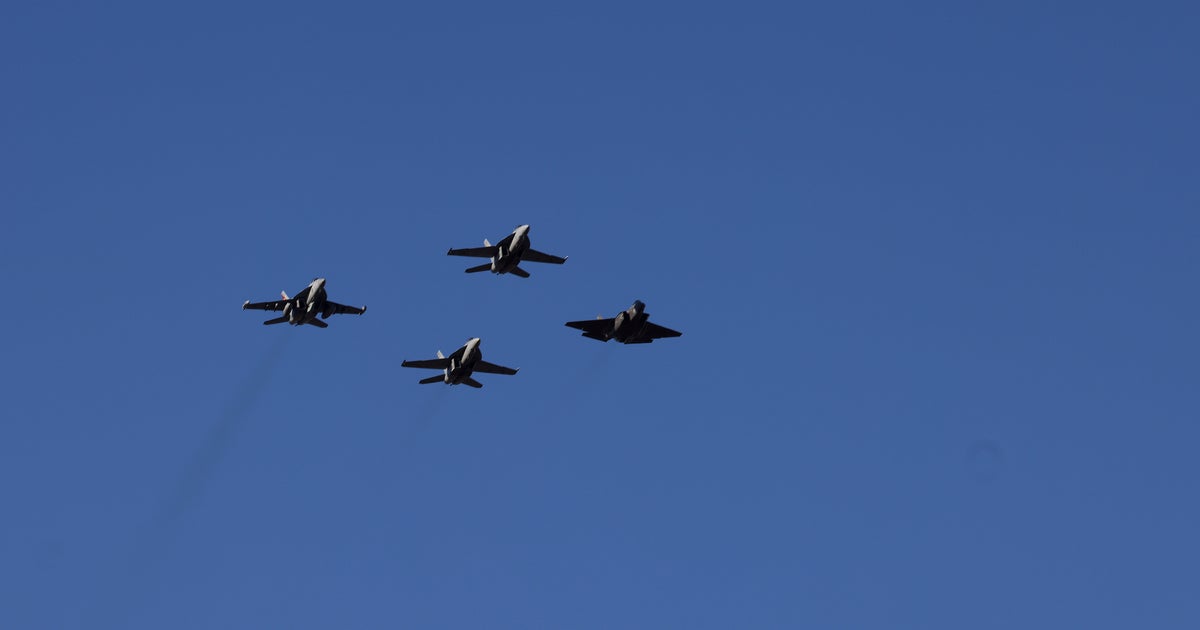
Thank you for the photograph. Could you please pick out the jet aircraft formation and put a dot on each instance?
(311, 305)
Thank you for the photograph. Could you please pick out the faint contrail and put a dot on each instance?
(232, 419)
(131, 580)
(423, 417)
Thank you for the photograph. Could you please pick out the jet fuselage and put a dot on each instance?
(300, 311)
(462, 367)
(629, 322)
(507, 258)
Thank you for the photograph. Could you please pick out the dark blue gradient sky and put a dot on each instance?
(935, 265)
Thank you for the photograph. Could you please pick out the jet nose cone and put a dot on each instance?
(523, 228)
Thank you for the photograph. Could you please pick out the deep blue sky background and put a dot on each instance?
(935, 265)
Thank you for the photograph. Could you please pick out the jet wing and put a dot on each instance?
(333, 308)
(654, 331)
(477, 252)
(533, 255)
(492, 368)
(594, 326)
(277, 305)
(432, 364)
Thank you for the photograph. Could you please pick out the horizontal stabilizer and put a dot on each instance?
(517, 271)
(483, 267)
(432, 379)
(472, 382)
(318, 323)
(277, 320)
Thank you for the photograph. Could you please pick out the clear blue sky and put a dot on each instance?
(935, 266)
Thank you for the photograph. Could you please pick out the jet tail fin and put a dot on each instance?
(437, 378)
(483, 267)
(318, 323)
(517, 271)
(486, 243)
(439, 355)
(472, 382)
(277, 320)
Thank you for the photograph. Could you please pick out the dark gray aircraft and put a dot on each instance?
(507, 254)
(457, 367)
(305, 306)
(629, 326)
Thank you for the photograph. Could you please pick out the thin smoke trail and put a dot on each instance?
(199, 470)
(422, 419)
(188, 488)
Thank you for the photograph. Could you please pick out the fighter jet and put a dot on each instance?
(629, 326)
(305, 306)
(457, 367)
(507, 254)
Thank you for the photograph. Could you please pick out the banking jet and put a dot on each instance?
(629, 326)
(457, 367)
(304, 307)
(507, 254)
